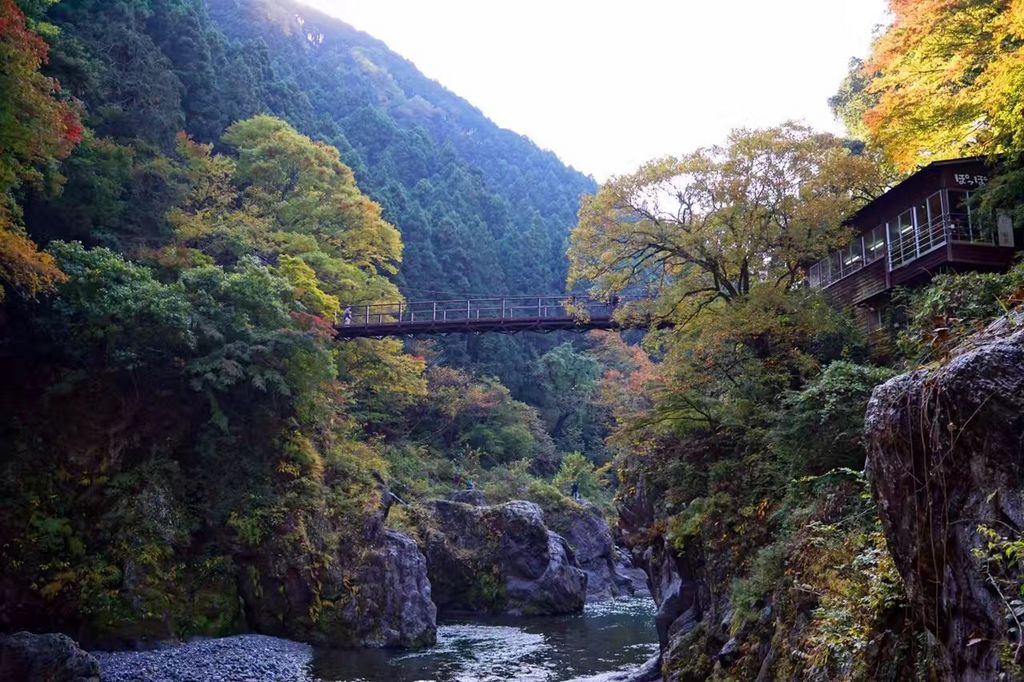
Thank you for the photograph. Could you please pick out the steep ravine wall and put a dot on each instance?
(945, 457)
(941, 530)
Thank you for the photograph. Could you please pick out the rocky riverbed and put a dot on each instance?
(243, 657)
(608, 641)
(511, 590)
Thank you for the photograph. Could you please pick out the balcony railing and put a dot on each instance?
(965, 227)
(948, 227)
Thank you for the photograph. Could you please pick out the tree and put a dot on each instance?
(307, 193)
(944, 80)
(564, 382)
(707, 228)
(287, 201)
(37, 129)
(853, 99)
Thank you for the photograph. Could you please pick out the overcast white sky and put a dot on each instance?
(607, 85)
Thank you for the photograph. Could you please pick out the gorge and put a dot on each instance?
(738, 478)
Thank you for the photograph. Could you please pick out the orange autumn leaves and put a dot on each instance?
(944, 80)
(37, 129)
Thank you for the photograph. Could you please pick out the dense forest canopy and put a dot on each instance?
(190, 193)
(482, 211)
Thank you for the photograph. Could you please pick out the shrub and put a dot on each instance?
(576, 467)
(820, 427)
(951, 307)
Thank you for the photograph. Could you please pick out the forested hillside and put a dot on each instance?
(813, 502)
(186, 448)
(481, 210)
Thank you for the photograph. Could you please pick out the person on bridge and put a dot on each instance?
(348, 316)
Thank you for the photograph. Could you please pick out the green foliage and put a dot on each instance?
(563, 388)
(730, 371)
(117, 309)
(1001, 560)
(244, 429)
(853, 100)
(463, 412)
(37, 130)
(578, 468)
(820, 427)
(951, 307)
(765, 575)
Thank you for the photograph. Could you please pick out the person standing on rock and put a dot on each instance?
(576, 490)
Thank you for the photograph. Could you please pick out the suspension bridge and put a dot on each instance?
(507, 315)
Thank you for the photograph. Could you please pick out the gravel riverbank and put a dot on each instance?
(240, 658)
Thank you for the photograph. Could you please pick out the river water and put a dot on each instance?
(608, 636)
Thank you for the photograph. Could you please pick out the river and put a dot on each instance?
(608, 636)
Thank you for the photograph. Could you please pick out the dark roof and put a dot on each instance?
(911, 178)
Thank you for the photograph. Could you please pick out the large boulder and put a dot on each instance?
(945, 454)
(500, 559)
(393, 580)
(371, 592)
(586, 531)
(45, 658)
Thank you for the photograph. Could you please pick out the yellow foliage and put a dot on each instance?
(705, 229)
(946, 79)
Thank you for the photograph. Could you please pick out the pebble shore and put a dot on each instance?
(231, 659)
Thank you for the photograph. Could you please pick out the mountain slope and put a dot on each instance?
(482, 210)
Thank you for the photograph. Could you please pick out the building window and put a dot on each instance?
(823, 271)
(853, 256)
(930, 225)
(966, 225)
(902, 239)
(874, 244)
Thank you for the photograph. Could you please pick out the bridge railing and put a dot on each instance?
(478, 309)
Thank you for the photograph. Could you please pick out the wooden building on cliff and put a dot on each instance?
(924, 225)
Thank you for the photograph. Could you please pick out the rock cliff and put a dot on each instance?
(945, 456)
(585, 530)
(378, 597)
(500, 559)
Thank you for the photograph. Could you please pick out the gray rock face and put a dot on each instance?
(498, 559)
(45, 658)
(625, 566)
(379, 596)
(394, 579)
(945, 454)
(688, 613)
(587, 533)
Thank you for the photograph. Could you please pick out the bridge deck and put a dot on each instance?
(503, 315)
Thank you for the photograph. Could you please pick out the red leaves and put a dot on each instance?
(14, 30)
(313, 324)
